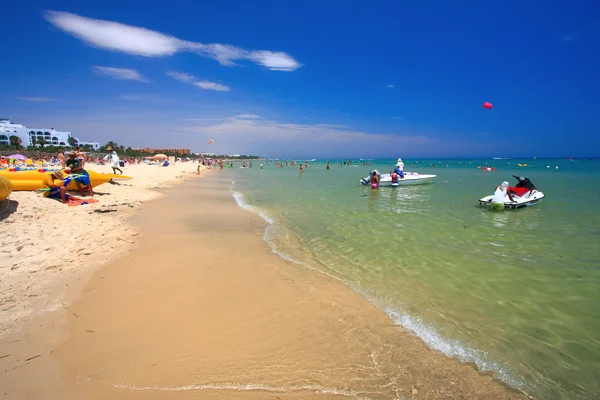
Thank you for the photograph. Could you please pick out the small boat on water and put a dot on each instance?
(410, 178)
(530, 198)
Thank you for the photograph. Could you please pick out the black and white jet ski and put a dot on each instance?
(530, 198)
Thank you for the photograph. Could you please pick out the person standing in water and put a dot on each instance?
(327, 166)
(374, 180)
(499, 195)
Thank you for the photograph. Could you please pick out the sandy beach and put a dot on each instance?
(203, 309)
(44, 243)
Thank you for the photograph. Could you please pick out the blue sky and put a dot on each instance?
(310, 78)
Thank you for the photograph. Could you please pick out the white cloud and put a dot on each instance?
(134, 40)
(247, 116)
(269, 137)
(181, 76)
(390, 86)
(398, 117)
(120, 73)
(211, 86)
(232, 135)
(36, 99)
(192, 80)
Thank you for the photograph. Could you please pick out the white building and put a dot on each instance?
(93, 145)
(31, 136)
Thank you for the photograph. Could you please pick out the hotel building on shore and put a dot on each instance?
(31, 136)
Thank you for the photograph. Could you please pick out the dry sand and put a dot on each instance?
(203, 310)
(44, 243)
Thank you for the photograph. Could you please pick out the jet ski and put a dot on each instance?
(410, 178)
(530, 196)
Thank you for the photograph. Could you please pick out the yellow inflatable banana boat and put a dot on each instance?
(33, 180)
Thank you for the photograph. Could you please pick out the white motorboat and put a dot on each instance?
(410, 178)
(530, 198)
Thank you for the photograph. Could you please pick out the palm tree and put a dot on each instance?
(72, 141)
(42, 142)
(33, 142)
(16, 141)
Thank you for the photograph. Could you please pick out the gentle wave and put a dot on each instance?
(452, 348)
(239, 199)
(248, 387)
(271, 232)
(427, 333)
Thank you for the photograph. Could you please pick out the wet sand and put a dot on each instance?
(203, 309)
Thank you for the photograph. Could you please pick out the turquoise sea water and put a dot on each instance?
(516, 292)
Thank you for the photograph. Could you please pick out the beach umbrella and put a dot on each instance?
(159, 156)
(17, 157)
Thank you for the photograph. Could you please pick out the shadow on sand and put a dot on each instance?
(7, 207)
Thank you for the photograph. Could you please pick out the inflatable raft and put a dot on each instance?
(33, 180)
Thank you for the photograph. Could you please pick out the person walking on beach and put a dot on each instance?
(113, 159)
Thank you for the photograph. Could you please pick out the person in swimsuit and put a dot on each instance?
(61, 158)
(374, 180)
(82, 156)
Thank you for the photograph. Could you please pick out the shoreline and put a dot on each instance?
(347, 347)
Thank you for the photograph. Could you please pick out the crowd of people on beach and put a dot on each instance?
(66, 167)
